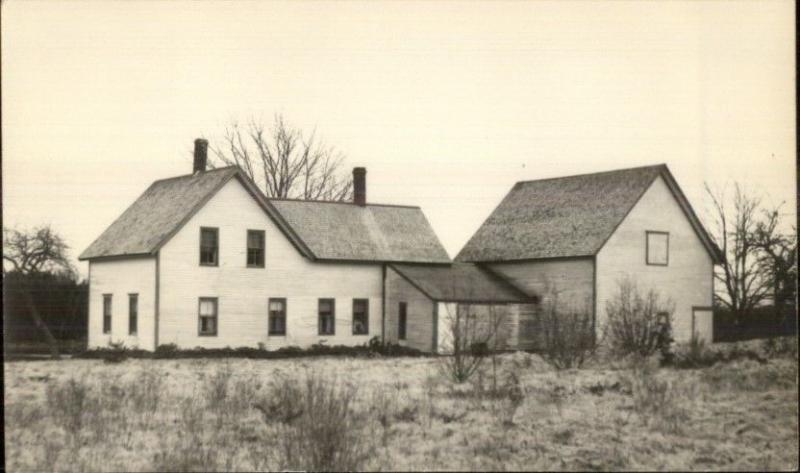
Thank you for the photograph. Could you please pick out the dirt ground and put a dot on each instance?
(145, 415)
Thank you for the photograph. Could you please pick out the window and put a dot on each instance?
(133, 313)
(208, 316)
(360, 316)
(209, 246)
(401, 321)
(106, 313)
(277, 316)
(657, 248)
(255, 248)
(327, 317)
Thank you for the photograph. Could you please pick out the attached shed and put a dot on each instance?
(421, 299)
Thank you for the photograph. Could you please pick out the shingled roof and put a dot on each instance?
(157, 214)
(319, 230)
(568, 216)
(460, 282)
(374, 232)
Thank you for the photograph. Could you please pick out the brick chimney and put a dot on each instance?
(200, 155)
(360, 186)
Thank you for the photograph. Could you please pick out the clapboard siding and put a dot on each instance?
(483, 328)
(243, 292)
(687, 279)
(419, 313)
(121, 278)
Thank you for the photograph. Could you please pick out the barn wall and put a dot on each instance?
(419, 313)
(686, 280)
(243, 292)
(121, 278)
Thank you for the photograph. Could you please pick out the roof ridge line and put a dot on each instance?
(315, 201)
(664, 165)
(183, 176)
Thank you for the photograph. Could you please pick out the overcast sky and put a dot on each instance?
(446, 104)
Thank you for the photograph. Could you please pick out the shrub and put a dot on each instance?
(638, 324)
(693, 354)
(325, 433)
(567, 334)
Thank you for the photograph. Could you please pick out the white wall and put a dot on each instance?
(687, 280)
(120, 278)
(243, 292)
(419, 313)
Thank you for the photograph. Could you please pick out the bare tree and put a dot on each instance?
(472, 332)
(284, 161)
(777, 257)
(567, 330)
(32, 254)
(744, 281)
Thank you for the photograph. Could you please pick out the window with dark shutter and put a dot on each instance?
(360, 316)
(327, 317)
(255, 248)
(133, 313)
(106, 313)
(401, 321)
(209, 246)
(277, 316)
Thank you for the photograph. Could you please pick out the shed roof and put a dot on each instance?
(460, 282)
(568, 216)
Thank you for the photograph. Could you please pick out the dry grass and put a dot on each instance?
(396, 414)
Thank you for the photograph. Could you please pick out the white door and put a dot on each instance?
(703, 323)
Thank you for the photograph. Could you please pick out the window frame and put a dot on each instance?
(365, 301)
(109, 316)
(263, 248)
(200, 332)
(402, 320)
(269, 316)
(133, 316)
(647, 248)
(332, 314)
(216, 249)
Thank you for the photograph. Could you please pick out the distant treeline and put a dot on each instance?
(60, 300)
(761, 322)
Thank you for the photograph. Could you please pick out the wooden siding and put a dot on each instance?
(506, 331)
(572, 278)
(687, 279)
(243, 292)
(419, 313)
(120, 278)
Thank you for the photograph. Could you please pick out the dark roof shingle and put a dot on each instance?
(566, 217)
(460, 282)
(344, 231)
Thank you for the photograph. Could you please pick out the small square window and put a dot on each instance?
(209, 246)
(277, 316)
(657, 248)
(360, 316)
(327, 317)
(255, 248)
(207, 316)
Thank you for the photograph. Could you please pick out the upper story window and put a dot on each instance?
(327, 317)
(207, 313)
(277, 316)
(133, 314)
(657, 248)
(255, 248)
(106, 313)
(360, 316)
(209, 246)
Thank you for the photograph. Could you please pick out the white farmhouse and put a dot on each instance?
(206, 260)
(581, 235)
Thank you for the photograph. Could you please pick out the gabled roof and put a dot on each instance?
(319, 230)
(568, 216)
(343, 231)
(460, 282)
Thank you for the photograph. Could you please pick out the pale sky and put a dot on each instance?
(446, 104)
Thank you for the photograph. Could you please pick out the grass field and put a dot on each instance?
(396, 414)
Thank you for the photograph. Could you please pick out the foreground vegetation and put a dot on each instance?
(399, 413)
